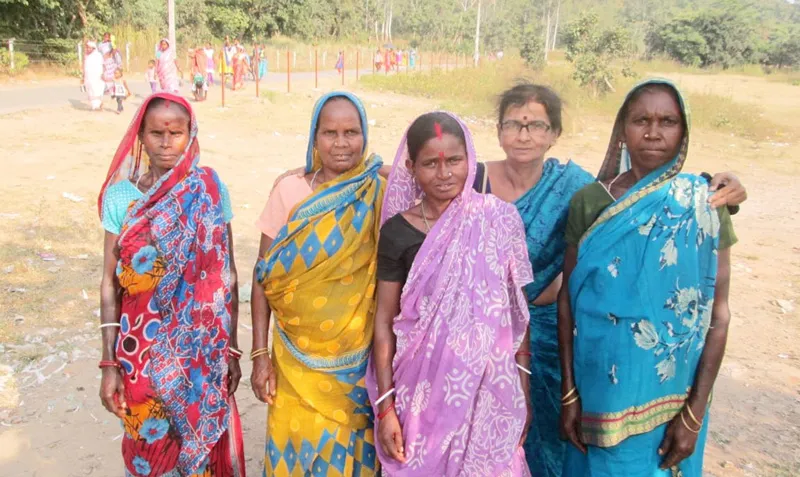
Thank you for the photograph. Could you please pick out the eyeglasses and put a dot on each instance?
(515, 127)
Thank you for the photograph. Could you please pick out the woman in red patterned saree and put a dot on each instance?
(169, 301)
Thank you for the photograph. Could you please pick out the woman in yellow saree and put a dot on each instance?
(316, 276)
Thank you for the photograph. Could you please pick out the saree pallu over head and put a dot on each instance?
(319, 279)
(174, 269)
(642, 293)
(463, 316)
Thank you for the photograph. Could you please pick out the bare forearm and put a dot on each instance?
(234, 331)
(383, 351)
(109, 313)
(710, 362)
(565, 342)
(259, 309)
(523, 358)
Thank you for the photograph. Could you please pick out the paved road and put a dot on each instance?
(20, 99)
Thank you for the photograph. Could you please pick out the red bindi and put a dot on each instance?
(441, 154)
(438, 128)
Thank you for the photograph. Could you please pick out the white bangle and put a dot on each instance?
(108, 325)
(526, 371)
(383, 398)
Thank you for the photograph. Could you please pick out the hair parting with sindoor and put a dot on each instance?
(429, 126)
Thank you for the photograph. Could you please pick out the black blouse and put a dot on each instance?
(398, 244)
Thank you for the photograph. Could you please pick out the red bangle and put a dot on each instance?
(234, 353)
(109, 364)
(386, 411)
(523, 353)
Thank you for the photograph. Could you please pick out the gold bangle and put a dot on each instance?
(691, 415)
(258, 352)
(571, 401)
(566, 396)
(686, 425)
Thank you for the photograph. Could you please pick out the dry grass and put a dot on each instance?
(471, 91)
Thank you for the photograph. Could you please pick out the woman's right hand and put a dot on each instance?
(571, 424)
(112, 392)
(390, 435)
(263, 379)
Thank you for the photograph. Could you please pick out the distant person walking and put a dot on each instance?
(378, 59)
(92, 80)
(167, 68)
(209, 52)
(150, 76)
(120, 92)
(340, 63)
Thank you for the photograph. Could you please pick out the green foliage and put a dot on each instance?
(532, 49)
(724, 34)
(598, 54)
(20, 62)
(783, 48)
(60, 51)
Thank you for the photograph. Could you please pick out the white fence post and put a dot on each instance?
(127, 56)
(11, 53)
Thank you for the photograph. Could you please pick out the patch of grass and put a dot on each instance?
(474, 92)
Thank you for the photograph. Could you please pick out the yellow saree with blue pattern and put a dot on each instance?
(319, 280)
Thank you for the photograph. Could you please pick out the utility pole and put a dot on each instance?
(478, 35)
(171, 22)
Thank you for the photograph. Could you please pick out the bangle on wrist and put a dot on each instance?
(386, 411)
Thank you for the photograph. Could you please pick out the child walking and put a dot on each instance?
(150, 75)
(121, 90)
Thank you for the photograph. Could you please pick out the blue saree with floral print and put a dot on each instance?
(641, 296)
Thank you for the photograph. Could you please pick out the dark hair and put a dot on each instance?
(524, 93)
(156, 102)
(423, 129)
(650, 88)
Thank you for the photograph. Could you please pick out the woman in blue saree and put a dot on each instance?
(529, 124)
(643, 321)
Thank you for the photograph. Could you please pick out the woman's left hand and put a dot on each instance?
(678, 444)
(234, 375)
(732, 194)
(528, 422)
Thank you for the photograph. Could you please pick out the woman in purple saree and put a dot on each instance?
(448, 377)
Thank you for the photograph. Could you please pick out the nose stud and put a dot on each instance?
(646, 136)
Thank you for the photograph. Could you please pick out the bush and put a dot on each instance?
(532, 49)
(60, 51)
(599, 55)
(20, 62)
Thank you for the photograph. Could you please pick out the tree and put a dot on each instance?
(596, 52)
(532, 48)
(721, 35)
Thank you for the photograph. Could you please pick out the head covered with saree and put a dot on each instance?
(463, 316)
(319, 279)
(174, 271)
(643, 290)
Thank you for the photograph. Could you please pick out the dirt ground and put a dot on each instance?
(51, 420)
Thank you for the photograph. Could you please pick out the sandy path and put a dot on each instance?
(57, 427)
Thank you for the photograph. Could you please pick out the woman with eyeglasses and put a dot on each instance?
(529, 124)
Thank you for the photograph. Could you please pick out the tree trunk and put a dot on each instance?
(547, 33)
(555, 27)
(477, 53)
(389, 28)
